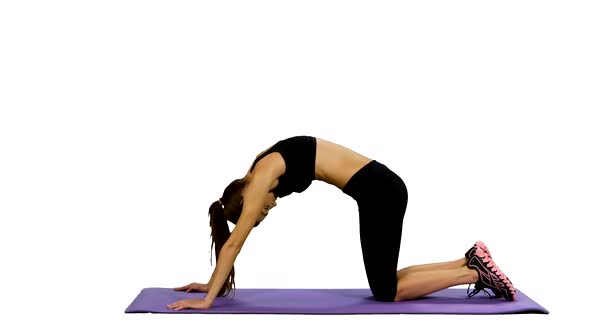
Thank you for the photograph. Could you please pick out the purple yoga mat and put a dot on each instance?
(334, 301)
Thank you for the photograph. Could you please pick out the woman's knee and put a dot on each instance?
(385, 294)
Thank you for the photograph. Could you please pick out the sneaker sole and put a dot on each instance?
(482, 246)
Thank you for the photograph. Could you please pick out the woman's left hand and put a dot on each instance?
(189, 304)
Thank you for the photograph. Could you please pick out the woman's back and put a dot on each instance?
(336, 164)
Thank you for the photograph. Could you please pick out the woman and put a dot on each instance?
(290, 166)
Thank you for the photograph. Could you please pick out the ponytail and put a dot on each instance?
(219, 235)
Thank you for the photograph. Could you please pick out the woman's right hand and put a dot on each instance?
(193, 287)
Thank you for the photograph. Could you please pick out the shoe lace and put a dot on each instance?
(476, 290)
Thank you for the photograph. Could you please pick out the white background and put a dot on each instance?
(122, 121)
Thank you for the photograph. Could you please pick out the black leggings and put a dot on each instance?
(382, 198)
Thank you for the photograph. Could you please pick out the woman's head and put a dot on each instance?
(270, 201)
(232, 200)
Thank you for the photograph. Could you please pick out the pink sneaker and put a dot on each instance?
(478, 286)
(490, 275)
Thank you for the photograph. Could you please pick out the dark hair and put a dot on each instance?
(228, 207)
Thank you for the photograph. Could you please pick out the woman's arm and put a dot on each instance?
(254, 196)
(229, 252)
(227, 256)
(267, 171)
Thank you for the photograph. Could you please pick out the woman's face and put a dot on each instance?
(269, 203)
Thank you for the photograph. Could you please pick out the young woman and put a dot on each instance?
(290, 166)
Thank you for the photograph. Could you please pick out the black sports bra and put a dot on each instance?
(299, 153)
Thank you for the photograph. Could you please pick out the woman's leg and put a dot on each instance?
(382, 205)
(432, 267)
(418, 282)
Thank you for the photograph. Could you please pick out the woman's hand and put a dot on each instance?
(194, 287)
(189, 304)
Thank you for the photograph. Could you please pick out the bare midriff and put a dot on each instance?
(336, 164)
